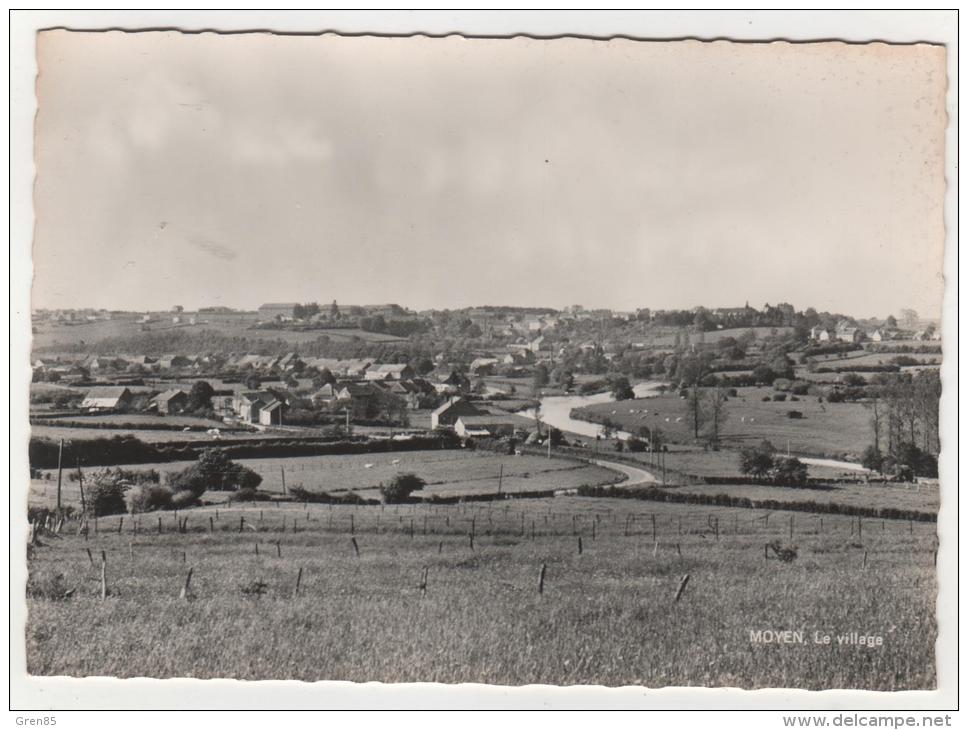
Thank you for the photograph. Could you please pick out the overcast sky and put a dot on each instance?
(234, 170)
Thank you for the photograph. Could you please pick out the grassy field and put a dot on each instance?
(447, 473)
(721, 463)
(606, 616)
(922, 498)
(154, 435)
(829, 429)
(136, 419)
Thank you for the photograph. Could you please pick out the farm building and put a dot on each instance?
(325, 396)
(358, 397)
(107, 399)
(248, 404)
(446, 415)
(483, 365)
(171, 401)
(491, 424)
(271, 413)
(399, 371)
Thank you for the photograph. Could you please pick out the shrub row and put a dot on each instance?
(724, 500)
(125, 449)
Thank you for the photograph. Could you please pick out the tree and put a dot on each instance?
(891, 322)
(213, 470)
(324, 377)
(757, 461)
(253, 382)
(763, 375)
(872, 458)
(696, 409)
(401, 487)
(717, 413)
(334, 311)
(621, 389)
(789, 471)
(200, 396)
(910, 318)
(540, 377)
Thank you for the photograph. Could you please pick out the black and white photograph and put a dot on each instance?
(506, 359)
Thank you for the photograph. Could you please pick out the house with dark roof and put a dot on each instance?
(171, 401)
(446, 415)
(390, 371)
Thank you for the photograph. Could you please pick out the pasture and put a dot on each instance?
(447, 472)
(498, 593)
(826, 429)
(919, 497)
(719, 463)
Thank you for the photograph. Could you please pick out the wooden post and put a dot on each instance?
(211, 524)
(188, 580)
(440, 547)
(593, 528)
(541, 578)
(256, 547)
(80, 483)
(791, 527)
(241, 522)
(678, 550)
(352, 525)
(120, 523)
(860, 529)
(682, 587)
(579, 544)
(423, 582)
(295, 590)
(500, 479)
(411, 528)
(90, 557)
(470, 537)
(60, 456)
(355, 546)
(653, 527)
(283, 470)
(278, 549)
(865, 560)
(766, 551)
(104, 579)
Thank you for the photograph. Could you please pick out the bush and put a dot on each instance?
(635, 445)
(779, 397)
(757, 461)
(183, 499)
(214, 470)
(794, 414)
(253, 495)
(789, 472)
(400, 489)
(800, 388)
(104, 495)
(148, 497)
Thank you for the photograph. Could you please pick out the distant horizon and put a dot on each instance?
(404, 305)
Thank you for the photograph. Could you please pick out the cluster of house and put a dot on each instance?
(845, 332)
(469, 420)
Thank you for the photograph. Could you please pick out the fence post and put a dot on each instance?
(355, 546)
(120, 523)
(541, 578)
(579, 545)
(423, 581)
(241, 522)
(90, 556)
(682, 587)
(104, 579)
(188, 580)
(211, 524)
(653, 527)
(295, 591)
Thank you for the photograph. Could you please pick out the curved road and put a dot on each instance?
(635, 475)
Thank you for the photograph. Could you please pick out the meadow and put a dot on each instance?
(919, 497)
(447, 473)
(556, 591)
(707, 463)
(826, 429)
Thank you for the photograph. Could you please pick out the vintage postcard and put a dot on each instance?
(510, 361)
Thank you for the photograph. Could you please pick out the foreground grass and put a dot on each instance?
(606, 616)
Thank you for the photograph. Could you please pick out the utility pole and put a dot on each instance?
(60, 456)
(500, 479)
(283, 469)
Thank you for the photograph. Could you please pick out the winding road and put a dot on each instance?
(635, 475)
